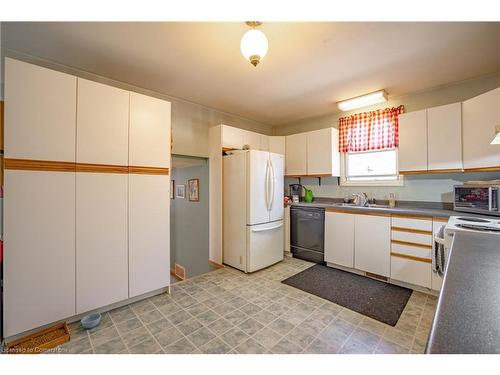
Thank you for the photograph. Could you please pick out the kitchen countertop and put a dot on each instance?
(467, 317)
(415, 208)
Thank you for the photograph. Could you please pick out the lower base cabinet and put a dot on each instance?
(411, 271)
(149, 233)
(373, 244)
(101, 240)
(339, 238)
(39, 241)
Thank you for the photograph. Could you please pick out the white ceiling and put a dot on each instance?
(308, 68)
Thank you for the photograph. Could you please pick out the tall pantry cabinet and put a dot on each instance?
(86, 196)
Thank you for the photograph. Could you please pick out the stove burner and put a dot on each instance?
(473, 219)
(482, 228)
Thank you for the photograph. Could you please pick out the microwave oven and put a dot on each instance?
(481, 199)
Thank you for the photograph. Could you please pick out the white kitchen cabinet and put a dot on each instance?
(277, 144)
(101, 240)
(102, 124)
(264, 142)
(411, 271)
(251, 139)
(149, 233)
(296, 155)
(339, 238)
(40, 113)
(412, 152)
(39, 241)
(480, 115)
(323, 156)
(232, 137)
(373, 244)
(444, 136)
(149, 131)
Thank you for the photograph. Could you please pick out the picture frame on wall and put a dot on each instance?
(180, 191)
(172, 189)
(194, 190)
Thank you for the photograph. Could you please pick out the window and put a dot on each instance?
(368, 142)
(371, 165)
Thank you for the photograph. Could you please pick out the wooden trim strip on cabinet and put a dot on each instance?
(430, 171)
(406, 243)
(101, 168)
(440, 219)
(148, 170)
(409, 230)
(412, 216)
(483, 169)
(356, 212)
(422, 171)
(39, 165)
(65, 166)
(411, 257)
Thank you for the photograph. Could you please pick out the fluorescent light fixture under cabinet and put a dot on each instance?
(363, 100)
(496, 140)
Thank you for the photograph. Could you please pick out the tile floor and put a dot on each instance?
(226, 311)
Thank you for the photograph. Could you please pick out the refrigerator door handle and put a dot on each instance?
(267, 185)
(273, 185)
(269, 228)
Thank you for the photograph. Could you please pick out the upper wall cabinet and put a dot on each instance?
(313, 153)
(296, 155)
(149, 131)
(251, 139)
(40, 114)
(412, 151)
(102, 124)
(323, 156)
(277, 144)
(480, 116)
(444, 138)
(232, 137)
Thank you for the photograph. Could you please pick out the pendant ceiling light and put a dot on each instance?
(254, 44)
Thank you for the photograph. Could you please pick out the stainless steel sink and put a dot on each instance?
(373, 205)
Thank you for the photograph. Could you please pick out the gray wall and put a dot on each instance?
(189, 222)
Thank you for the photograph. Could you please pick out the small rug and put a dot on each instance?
(376, 299)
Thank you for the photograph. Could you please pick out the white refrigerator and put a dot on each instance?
(253, 209)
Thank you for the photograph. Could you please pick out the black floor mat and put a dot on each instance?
(373, 298)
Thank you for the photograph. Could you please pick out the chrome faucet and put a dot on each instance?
(360, 199)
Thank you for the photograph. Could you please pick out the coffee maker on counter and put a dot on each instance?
(295, 190)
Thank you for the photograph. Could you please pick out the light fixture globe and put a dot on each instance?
(254, 46)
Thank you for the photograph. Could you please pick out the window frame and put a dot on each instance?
(345, 181)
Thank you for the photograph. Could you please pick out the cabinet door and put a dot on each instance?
(372, 238)
(296, 155)
(264, 142)
(480, 116)
(444, 134)
(232, 137)
(149, 131)
(286, 224)
(339, 238)
(39, 241)
(322, 157)
(40, 115)
(412, 151)
(101, 240)
(149, 233)
(102, 124)
(252, 139)
(277, 144)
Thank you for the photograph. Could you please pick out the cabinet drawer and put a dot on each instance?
(411, 271)
(412, 223)
(414, 251)
(418, 238)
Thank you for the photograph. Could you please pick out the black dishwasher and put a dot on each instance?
(307, 233)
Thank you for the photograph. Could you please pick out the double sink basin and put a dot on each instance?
(369, 205)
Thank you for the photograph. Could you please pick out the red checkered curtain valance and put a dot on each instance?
(376, 130)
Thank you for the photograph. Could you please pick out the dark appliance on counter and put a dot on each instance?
(295, 192)
(307, 233)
